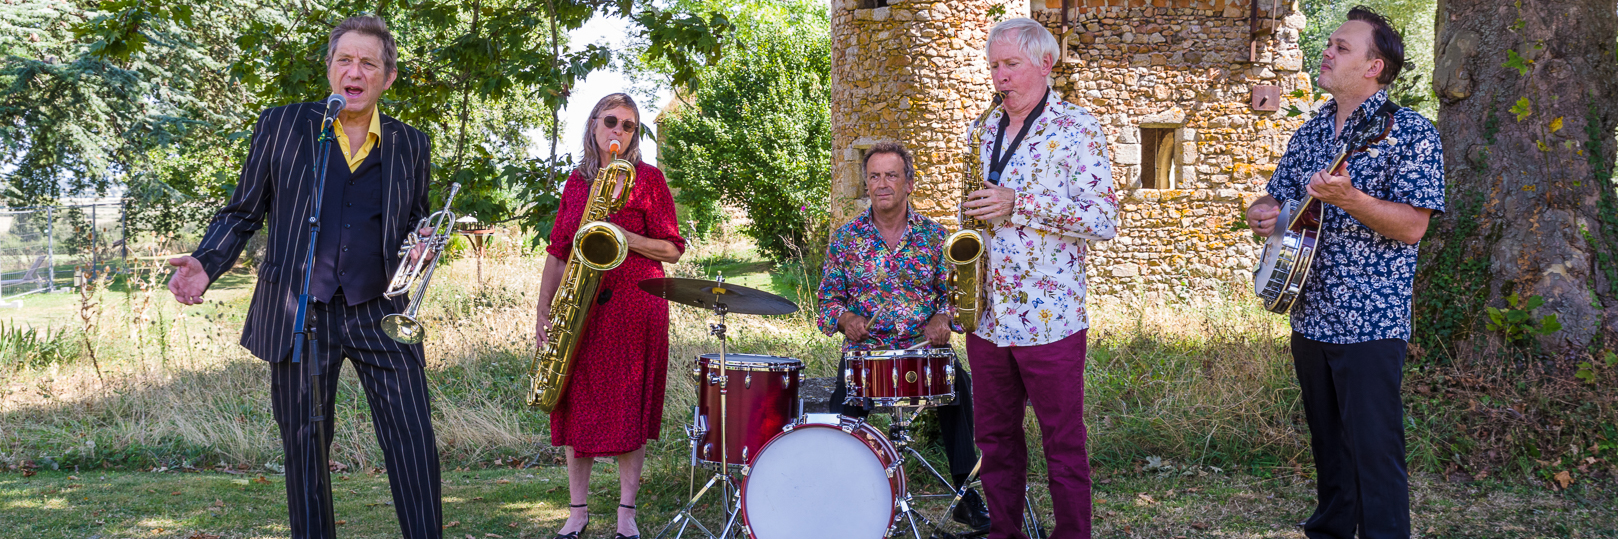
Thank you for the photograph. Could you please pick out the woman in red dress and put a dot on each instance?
(614, 398)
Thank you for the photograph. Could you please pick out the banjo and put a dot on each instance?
(1288, 253)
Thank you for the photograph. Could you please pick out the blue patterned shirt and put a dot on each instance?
(1359, 287)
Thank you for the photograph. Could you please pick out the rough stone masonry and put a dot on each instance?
(1194, 96)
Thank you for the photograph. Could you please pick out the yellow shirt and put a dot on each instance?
(372, 138)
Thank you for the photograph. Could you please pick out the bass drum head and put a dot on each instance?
(817, 482)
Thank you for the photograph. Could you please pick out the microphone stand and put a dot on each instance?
(303, 338)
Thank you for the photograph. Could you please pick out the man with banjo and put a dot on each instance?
(1351, 319)
(883, 287)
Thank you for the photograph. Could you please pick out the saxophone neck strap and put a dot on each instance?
(998, 163)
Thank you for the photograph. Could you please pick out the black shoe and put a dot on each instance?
(972, 512)
(622, 536)
(580, 533)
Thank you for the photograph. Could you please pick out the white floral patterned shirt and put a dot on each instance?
(1359, 287)
(1063, 181)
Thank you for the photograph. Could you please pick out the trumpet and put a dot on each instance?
(404, 327)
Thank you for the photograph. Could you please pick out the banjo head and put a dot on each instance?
(1272, 248)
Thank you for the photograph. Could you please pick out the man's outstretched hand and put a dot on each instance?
(189, 280)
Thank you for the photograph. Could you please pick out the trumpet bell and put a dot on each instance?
(403, 328)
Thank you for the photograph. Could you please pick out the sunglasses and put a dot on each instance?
(612, 123)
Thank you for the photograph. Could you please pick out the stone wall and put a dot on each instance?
(1191, 65)
(912, 72)
(1186, 65)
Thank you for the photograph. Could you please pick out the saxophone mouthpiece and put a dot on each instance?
(612, 147)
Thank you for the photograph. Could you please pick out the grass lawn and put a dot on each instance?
(531, 503)
(1195, 429)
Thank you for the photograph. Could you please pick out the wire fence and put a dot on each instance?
(47, 249)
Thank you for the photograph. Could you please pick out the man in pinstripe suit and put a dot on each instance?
(376, 189)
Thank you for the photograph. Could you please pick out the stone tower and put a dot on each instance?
(911, 71)
(1193, 94)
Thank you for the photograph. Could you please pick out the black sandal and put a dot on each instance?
(586, 526)
(622, 536)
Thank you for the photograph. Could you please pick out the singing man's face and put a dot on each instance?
(357, 72)
(885, 182)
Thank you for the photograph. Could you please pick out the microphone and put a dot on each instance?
(334, 104)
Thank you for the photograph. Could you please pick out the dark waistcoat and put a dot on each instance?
(348, 257)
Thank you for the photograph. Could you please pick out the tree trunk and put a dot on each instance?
(1528, 107)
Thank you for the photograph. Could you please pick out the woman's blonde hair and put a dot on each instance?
(590, 162)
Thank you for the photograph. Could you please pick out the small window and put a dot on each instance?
(1159, 164)
(870, 4)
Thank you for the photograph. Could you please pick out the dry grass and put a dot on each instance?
(1203, 389)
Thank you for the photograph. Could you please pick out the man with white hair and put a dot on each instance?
(1050, 190)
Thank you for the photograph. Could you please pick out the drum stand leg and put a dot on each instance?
(899, 433)
(685, 518)
(1030, 522)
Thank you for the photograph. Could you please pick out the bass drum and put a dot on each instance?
(815, 481)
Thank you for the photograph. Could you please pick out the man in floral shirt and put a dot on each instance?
(1050, 193)
(1351, 324)
(883, 287)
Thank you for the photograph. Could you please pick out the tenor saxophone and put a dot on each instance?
(598, 246)
(964, 250)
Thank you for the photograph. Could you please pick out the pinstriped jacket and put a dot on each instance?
(275, 188)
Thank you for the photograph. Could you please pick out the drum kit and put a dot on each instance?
(784, 474)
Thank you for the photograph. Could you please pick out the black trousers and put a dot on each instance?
(1356, 425)
(396, 389)
(954, 420)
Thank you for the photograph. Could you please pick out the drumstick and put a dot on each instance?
(871, 321)
(924, 342)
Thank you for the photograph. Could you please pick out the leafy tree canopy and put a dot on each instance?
(756, 133)
(153, 98)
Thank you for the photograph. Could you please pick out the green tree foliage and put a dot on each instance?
(1413, 19)
(756, 133)
(155, 97)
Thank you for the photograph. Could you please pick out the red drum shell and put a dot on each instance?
(762, 396)
(901, 377)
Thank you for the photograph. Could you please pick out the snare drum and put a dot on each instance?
(817, 480)
(762, 396)
(922, 377)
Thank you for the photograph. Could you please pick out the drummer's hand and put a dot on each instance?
(853, 326)
(938, 332)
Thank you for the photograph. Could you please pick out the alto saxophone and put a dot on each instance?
(965, 249)
(598, 246)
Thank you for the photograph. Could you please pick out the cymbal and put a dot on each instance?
(707, 294)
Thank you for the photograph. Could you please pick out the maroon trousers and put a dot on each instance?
(1051, 376)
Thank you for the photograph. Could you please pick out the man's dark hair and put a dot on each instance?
(895, 149)
(370, 25)
(1386, 45)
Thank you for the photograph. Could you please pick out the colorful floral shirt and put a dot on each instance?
(896, 290)
(1063, 181)
(1359, 286)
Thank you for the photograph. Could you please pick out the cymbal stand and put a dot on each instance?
(727, 483)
